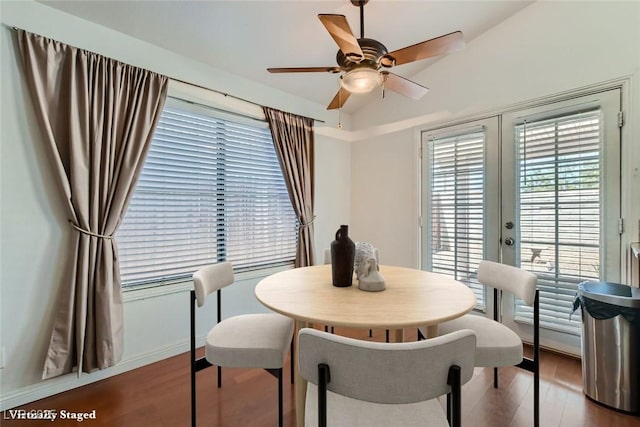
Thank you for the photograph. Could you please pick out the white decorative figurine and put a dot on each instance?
(364, 251)
(372, 280)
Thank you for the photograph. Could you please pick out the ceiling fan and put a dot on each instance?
(364, 61)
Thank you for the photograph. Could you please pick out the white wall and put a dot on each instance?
(35, 233)
(333, 190)
(384, 196)
(545, 49)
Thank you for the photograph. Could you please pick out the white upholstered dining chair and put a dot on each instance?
(355, 383)
(243, 341)
(497, 345)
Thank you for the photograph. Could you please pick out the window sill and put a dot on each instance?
(154, 290)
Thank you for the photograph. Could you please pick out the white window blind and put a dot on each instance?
(559, 216)
(456, 200)
(211, 190)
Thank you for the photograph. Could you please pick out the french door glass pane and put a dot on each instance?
(559, 163)
(456, 182)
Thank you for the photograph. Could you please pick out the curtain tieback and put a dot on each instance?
(89, 233)
(306, 224)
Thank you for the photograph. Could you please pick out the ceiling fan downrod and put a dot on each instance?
(360, 4)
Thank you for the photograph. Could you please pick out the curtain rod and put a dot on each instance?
(232, 96)
(221, 110)
(213, 90)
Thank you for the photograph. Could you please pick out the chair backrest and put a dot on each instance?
(327, 256)
(392, 373)
(515, 280)
(211, 278)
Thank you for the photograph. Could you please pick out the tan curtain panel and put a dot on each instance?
(98, 117)
(293, 140)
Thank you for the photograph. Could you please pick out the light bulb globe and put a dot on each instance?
(361, 80)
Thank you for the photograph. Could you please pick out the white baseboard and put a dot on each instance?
(67, 382)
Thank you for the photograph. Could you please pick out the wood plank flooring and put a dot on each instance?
(157, 395)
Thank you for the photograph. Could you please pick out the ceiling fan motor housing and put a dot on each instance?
(372, 49)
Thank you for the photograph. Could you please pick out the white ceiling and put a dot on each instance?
(246, 37)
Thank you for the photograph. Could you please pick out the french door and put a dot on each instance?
(460, 205)
(561, 207)
(537, 188)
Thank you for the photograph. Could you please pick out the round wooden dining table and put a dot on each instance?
(412, 298)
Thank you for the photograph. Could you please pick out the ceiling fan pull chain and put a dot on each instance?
(339, 109)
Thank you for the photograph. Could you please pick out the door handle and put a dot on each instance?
(509, 241)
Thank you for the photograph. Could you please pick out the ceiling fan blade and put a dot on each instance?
(403, 86)
(427, 49)
(341, 33)
(339, 100)
(304, 70)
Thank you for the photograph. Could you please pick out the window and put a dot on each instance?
(559, 215)
(211, 190)
(455, 235)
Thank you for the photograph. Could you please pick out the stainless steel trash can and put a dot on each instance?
(611, 344)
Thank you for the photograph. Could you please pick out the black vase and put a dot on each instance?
(343, 252)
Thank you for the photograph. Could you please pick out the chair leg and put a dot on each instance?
(292, 367)
(278, 373)
(495, 377)
(324, 377)
(193, 398)
(280, 397)
(193, 357)
(193, 391)
(536, 398)
(536, 359)
(454, 399)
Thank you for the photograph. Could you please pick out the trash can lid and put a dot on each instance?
(611, 293)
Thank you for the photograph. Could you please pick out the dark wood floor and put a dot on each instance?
(157, 395)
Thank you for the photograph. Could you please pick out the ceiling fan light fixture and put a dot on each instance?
(361, 80)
